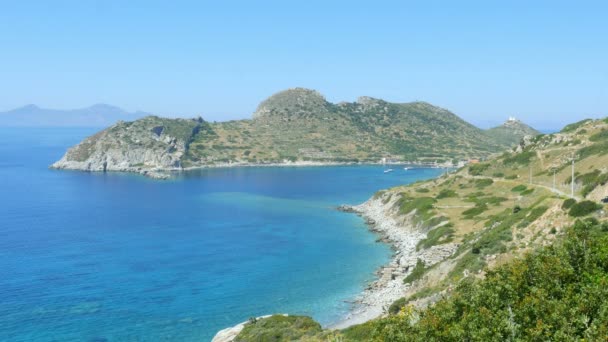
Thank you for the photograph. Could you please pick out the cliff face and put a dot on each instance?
(143, 145)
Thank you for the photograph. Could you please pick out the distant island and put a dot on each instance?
(294, 127)
(99, 115)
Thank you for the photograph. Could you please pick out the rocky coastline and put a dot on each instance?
(403, 234)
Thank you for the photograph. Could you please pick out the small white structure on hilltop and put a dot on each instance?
(512, 118)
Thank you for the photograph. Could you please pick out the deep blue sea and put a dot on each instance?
(119, 257)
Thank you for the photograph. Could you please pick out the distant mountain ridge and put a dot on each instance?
(98, 115)
(293, 126)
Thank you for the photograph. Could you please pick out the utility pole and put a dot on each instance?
(572, 182)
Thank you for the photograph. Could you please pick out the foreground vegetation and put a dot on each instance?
(559, 292)
(530, 259)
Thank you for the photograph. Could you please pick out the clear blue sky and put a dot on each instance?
(545, 62)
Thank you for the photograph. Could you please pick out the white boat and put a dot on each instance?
(388, 170)
(406, 168)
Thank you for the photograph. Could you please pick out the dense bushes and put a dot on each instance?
(279, 328)
(422, 205)
(476, 210)
(603, 135)
(446, 193)
(599, 148)
(397, 306)
(591, 181)
(416, 273)
(482, 183)
(568, 203)
(583, 208)
(478, 169)
(519, 188)
(558, 293)
(522, 158)
(443, 234)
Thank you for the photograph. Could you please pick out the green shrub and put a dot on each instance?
(422, 205)
(511, 177)
(279, 328)
(476, 210)
(498, 175)
(439, 235)
(360, 332)
(591, 181)
(532, 216)
(494, 200)
(519, 188)
(527, 192)
(446, 193)
(478, 169)
(583, 208)
(522, 158)
(603, 135)
(416, 273)
(568, 203)
(600, 148)
(397, 305)
(556, 293)
(484, 182)
(422, 190)
(536, 213)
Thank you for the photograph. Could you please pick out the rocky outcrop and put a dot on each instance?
(403, 233)
(148, 146)
(294, 102)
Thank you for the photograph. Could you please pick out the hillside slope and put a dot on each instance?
(511, 132)
(483, 216)
(300, 125)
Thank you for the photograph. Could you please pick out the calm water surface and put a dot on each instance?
(118, 257)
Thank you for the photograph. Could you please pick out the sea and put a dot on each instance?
(119, 257)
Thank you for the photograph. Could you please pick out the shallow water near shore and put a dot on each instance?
(119, 257)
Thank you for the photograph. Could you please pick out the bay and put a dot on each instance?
(119, 257)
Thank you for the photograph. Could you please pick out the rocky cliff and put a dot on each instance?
(144, 145)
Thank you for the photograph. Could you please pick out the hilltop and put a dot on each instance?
(297, 126)
(511, 132)
(493, 244)
(99, 115)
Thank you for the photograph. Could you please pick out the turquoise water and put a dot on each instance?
(118, 257)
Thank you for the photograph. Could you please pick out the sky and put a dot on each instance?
(544, 62)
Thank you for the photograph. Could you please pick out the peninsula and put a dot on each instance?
(293, 127)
